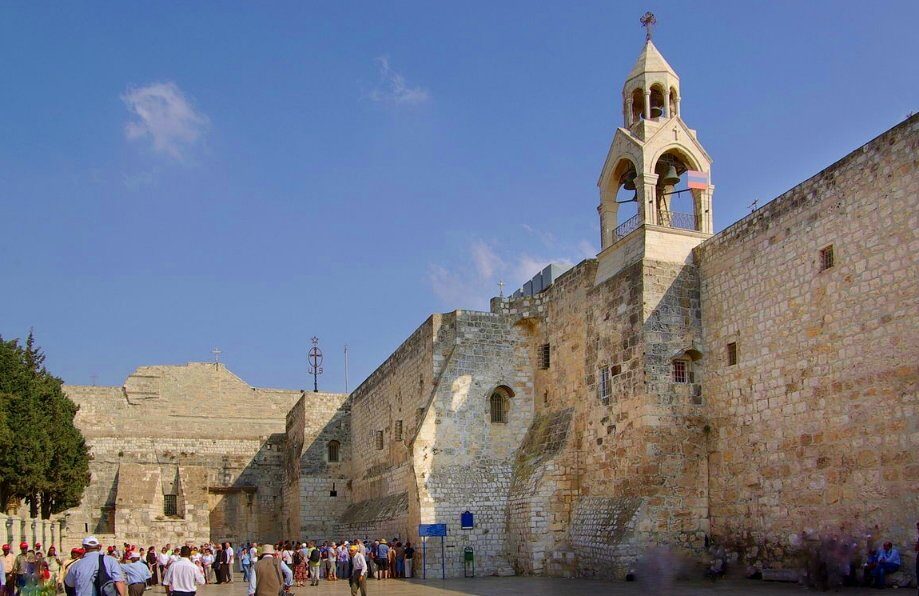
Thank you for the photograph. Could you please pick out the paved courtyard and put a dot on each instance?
(538, 586)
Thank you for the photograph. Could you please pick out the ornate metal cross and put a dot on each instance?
(648, 20)
(314, 357)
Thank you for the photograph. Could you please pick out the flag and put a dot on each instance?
(697, 179)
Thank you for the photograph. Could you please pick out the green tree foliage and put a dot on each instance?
(43, 456)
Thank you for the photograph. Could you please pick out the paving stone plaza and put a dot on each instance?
(534, 586)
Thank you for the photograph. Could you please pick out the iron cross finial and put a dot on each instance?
(648, 20)
(216, 352)
(501, 289)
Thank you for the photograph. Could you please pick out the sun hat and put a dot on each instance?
(90, 541)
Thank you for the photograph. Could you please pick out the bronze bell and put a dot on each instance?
(628, 181)
(671, 178)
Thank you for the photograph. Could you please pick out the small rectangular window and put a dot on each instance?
(170, 505)
(615, 370)
(398, 430)
(603, 386)
(732, 353)
(679, 371)
(544, 357)
(826, 258)
(379, 440)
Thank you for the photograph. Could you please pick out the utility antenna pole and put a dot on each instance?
(94, 377)
(501, 288)
(346, 368)
(753, 205)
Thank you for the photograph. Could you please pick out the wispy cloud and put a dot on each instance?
(393, 89)
(162, 114)
(473, 279)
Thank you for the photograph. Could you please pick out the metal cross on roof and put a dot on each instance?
(501, 289)
(648, 20)
(216, 352)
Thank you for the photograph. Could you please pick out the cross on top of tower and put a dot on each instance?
(216, 352)
(648, 20)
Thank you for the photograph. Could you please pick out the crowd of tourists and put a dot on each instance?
(268, 569)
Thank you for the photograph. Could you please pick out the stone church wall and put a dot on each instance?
(815, 428)
(193, 417)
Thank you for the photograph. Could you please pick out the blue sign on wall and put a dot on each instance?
(432, 529)
(466, 521)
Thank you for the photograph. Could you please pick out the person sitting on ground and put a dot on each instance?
(888, 562)
(718, 564)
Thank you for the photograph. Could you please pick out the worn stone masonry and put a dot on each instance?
(746, 387)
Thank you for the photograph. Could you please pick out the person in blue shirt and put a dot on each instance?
(81, 576)
(888, 562)
(136, 574)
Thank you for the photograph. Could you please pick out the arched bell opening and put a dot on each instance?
(658, 109)
(674, 102)
(619, 206)
(676, 203)
(637, 105)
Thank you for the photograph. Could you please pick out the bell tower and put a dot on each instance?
(656, 162)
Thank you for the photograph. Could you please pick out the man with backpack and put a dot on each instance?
(315, 559)
(95, 574)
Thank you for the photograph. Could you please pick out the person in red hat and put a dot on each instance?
(21, 566)
(75, 555)
(8, 560)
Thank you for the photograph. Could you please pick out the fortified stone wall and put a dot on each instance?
(316, 488)
(194, 417)
(815, 428)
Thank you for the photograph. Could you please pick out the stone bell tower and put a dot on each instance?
(656, 162)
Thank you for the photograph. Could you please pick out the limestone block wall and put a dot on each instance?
(815, 428)
(316, 491)
(463, 461)
(199, 414)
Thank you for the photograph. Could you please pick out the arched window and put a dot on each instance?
(333, 451)
(499, 403)
(657, 102)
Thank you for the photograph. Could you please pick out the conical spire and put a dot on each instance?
(650, 60)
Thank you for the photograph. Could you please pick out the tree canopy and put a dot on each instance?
(43, 456)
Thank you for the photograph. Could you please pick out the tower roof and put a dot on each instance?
(650, 60)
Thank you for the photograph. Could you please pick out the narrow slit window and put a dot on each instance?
(170, 505)
(732, 353)
(379, 440)
(604, 386)
(398, 430)
(544, 357)
(680, 371)
(826, 258)
(333, 451)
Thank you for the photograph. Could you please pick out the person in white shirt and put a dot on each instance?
(183, 577)
(358, 580)
(231, 557)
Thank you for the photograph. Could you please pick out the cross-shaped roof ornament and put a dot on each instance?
(216, 352)
(648, 20)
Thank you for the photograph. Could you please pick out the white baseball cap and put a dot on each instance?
(90, 541)
(135, 555)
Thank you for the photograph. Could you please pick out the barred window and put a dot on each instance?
(680, 371)
(826, 257)
(398, 430)
(732, 353)
(333, 451)
(170, 505)
(544, 357)
(379, 440)
(499, 404)
(604, 385)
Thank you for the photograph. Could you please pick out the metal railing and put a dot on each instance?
(666, 219)
(627, 227)
(682, 221)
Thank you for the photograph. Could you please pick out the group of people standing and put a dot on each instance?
(269, 569)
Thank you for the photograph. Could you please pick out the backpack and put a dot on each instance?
(314, 555)
(104, 584)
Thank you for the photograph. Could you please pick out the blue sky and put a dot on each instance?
(176, 176)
